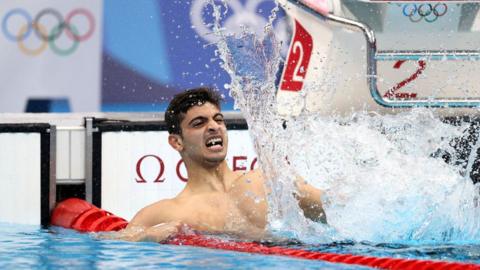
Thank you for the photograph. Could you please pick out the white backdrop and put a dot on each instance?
(20, 178)
(139, 168)
(38, 62)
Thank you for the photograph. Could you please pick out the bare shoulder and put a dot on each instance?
(255, 175)
(156, 213)
(252, 180)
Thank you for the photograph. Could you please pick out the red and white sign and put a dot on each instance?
(297, 60)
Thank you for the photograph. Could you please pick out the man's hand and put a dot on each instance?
(158, 233)
(161, 232)
(309, 199)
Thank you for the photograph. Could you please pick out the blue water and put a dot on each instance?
(30, 247)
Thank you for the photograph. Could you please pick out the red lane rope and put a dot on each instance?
(377, 262)
(82, 216)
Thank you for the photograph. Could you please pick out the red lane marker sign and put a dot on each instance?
(297, 60)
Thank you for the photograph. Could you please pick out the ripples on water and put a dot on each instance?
(28, 247)
(383, 180)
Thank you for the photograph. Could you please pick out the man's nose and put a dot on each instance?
(213, 125)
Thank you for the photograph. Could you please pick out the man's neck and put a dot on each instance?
(209, 179)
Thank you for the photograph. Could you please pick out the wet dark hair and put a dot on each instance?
(182, 102)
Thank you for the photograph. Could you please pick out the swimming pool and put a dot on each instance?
(30, 247)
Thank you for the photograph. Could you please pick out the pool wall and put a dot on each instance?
(120, 162)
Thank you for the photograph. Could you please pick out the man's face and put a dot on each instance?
(204, 134)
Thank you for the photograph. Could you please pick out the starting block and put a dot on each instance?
(351, 55)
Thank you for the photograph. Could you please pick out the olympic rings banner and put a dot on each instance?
(117, 55)
(154, 49)
(47, 38)
(50, 49)
(126, 55)
(427, 11)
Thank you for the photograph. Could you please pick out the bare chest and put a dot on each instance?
(227, 213)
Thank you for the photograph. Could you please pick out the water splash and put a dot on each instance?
(382, 180)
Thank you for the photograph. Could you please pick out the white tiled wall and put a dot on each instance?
(70, 154)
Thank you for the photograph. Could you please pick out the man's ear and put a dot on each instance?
(176, 142)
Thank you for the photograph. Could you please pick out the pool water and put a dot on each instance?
(467, 253)
(382, 178)
(386, 191)
(30, 247)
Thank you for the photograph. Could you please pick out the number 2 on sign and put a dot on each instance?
(297, 76)
(297, 61)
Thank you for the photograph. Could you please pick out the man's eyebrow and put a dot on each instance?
(218, 114)
(197, 118)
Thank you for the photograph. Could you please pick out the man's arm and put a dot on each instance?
(156, 233)
(309, 199)
(149, 224)
(150, 215)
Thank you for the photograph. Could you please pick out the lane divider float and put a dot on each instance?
(82, 216)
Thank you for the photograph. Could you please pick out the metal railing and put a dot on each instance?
(372, 56)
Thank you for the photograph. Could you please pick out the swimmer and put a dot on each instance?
(215, 198)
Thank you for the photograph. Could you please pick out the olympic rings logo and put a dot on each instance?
(244, 16)
(47, 37)
(427, 12)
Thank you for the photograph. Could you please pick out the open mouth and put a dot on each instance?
(214, 142)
